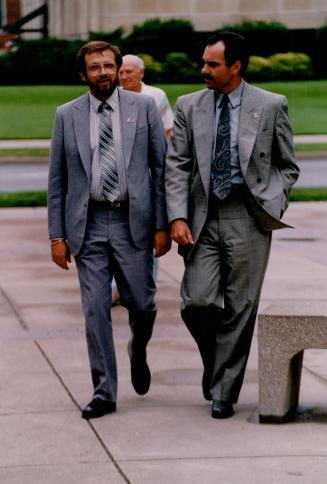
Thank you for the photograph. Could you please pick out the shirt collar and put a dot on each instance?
(112, 101)
(235, 96)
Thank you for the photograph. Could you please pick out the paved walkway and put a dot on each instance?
(167, 436)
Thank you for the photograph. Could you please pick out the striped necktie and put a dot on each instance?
(109, 170)
(221, 166)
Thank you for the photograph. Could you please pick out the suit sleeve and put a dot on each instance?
(57, 182)
(179, 163)
(283, 149)
(157, 153)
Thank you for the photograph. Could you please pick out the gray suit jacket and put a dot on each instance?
(266, 154)
(144, 148)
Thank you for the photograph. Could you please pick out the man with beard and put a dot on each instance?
(106, 207)
(230, 167)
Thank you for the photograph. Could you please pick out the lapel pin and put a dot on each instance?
(255, 115)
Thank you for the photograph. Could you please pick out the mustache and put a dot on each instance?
(206, 77)
(104, 77)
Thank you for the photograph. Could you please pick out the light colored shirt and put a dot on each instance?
(234, 104)
(95, 120)
(160, 97)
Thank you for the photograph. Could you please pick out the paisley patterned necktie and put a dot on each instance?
(220, 177)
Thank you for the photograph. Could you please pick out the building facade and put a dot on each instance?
(75, 18)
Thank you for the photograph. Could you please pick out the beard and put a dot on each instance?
(103, 87)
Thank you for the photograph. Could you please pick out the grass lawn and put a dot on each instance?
(28, 111)
(39, 199)
(23, 152)
(307, 102)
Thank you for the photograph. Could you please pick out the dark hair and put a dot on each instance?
(96, 46)
(236, 48)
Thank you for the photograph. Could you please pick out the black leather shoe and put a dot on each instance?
(221, 409)
(97, 408)
(140, 371)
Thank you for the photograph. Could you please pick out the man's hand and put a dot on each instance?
(60, 253)
(180, 232)
(162, 243)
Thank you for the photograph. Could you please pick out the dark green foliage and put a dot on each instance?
(291, 65)
(153, 69)
(320, 49)
(48, 61)
(157, 38)
(285, 66)
(115, 37)
(39, 199)
(264, 38)
(173, 50)
(178, 67)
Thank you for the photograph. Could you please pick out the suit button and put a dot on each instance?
(259, 180)
(262, 154)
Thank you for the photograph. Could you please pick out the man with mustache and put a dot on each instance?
(229, 169)
(106, 206)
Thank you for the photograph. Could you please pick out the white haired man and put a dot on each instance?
(130, 76)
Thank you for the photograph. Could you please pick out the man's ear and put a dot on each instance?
(142, 73)
(236, 67)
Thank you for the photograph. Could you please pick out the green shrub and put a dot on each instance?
(115, 37)
(259, 69)
(291, 65)
(48, 61)
(284, 66)
(153, 69)
(157, 38)
(264, 38)
(319, 51)
(179, 68)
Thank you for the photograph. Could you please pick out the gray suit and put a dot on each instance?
(109, 242)
(225, 267)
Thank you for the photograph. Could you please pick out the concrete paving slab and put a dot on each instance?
(41, 438)
(190, 432)
(257, 470)
(316, 361)
(79, 473)
(25, 290)
(46, 317)
(67, 353)
(19, 355)
(33, 392)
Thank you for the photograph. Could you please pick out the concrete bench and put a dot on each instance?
(285, 329)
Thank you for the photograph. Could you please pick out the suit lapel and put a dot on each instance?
(81, 120)
(250, 116)
(203, 123)
(128, 120)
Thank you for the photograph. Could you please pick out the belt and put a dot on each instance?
(237, 189)
(105, 204)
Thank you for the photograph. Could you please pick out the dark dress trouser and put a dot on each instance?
(221, 290)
